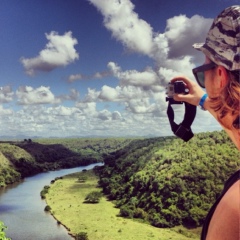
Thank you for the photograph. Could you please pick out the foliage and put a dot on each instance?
(82, 236)
(25, 158)
(93, 197)
(173, 182)
(2, 232)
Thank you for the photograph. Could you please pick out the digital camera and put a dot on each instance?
(173, 88)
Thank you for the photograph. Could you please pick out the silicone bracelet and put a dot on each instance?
(202, 100)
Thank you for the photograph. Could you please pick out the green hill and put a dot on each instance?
(163, 181)
(169, 182)
(26, 158)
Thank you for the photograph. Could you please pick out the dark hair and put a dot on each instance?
(229, 100)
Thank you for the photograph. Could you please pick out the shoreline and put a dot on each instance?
(66, 197)
(60, 223)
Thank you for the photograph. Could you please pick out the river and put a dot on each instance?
(22, 209)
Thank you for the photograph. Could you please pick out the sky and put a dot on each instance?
(83, 68)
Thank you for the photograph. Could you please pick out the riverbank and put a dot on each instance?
(100, 221)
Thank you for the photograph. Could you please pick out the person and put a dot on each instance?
(220, 76)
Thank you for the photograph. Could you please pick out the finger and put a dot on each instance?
(189, 83)
(181, 78)
(186, 98)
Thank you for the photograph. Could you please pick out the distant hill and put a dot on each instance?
(166, 181)
(19, 159)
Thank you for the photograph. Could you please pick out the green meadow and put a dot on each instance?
(100, 221)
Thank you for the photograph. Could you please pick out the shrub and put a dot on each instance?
(44, 192)
(47, 208)
(93, 197)
(82, 236)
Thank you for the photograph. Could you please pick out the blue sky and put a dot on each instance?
(97, 67)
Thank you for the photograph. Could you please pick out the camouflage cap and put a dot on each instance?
(222, 44)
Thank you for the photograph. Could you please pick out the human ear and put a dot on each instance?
(222, 76)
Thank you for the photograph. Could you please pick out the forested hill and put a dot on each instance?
(167, 181)
(24, 158)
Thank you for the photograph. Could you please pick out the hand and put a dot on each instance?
(195, 91)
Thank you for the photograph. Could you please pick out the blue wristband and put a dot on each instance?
(202, 100)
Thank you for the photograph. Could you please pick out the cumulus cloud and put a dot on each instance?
(125, 25)
(64, 111)
(140, 92)
(116, 115)
(4, 111)
(171, 51)
(138, 36)
(104, 115)
(109, 94)
(6, 94)
(73, 95)
(91, 96)
(28, 95)
(74, 77)
(98, 75)
(87, 108)
(144, 79)
(140, 105)
(181, 32)
(58, 52)
(121, 93)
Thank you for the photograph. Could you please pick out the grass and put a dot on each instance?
(14, 152)
(100, 221)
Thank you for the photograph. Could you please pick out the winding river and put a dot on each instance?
(22, 209)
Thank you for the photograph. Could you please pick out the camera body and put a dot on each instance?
(173, 88)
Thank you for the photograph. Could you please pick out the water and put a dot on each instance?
(22, 209)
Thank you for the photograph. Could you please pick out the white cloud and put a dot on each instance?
(87, 108)
(182, 32)
(109, 94)
(138, 36)
(75, 77)
(104, 115)
(4, 111)
(6, 94)
(91, 96)
(114, 68)
(64, 111)
(116, 115)
(98, 75)
(125, 25)
(73, 95)
(59, 52)
(140, 105)
(140, 92)
(28, 95)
